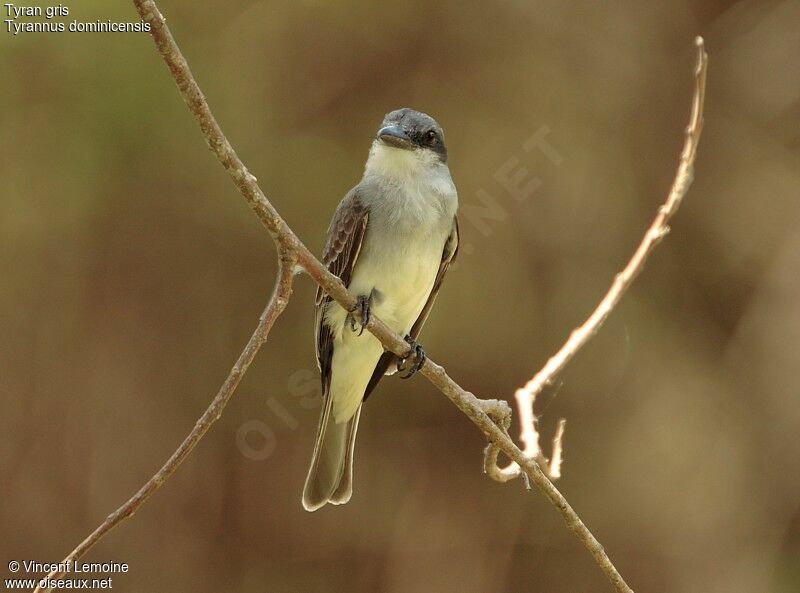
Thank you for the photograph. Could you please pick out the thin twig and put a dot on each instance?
(526, 395)
(277, 303)
(289, 243)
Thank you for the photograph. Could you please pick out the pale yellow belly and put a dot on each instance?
(403, 285)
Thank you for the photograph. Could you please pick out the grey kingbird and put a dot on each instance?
(391, 241)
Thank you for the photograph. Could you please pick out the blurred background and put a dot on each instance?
(132, 273)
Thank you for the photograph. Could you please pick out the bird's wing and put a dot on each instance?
(345, 237)
(343, 245)
(449, 254)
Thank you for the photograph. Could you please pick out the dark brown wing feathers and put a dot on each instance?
(345, 236)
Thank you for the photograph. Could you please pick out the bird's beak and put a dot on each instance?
(396, 137)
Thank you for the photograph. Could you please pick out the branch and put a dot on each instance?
(526, 395)
(277, 303)
(293, 253)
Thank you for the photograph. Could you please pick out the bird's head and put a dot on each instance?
(408, 142)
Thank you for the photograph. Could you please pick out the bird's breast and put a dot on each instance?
(408, 226)
(401, 281)
(398, 270)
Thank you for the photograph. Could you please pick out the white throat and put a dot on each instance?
(413, 188)
(413, 168)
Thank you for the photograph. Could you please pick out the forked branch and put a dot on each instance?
(492, 417)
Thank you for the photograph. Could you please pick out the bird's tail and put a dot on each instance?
(330, 477)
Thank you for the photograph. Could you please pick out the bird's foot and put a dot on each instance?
(419, 359)
(363, 306)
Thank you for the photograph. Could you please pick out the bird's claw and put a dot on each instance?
(363, 306)
(419, 359)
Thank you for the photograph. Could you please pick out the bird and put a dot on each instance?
(391, 241)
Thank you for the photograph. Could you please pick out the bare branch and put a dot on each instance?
(526, 395)
(493, 418)
(277, 303)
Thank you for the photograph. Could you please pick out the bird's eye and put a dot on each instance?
(431, 136)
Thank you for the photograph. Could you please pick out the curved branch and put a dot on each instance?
(526, 395)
